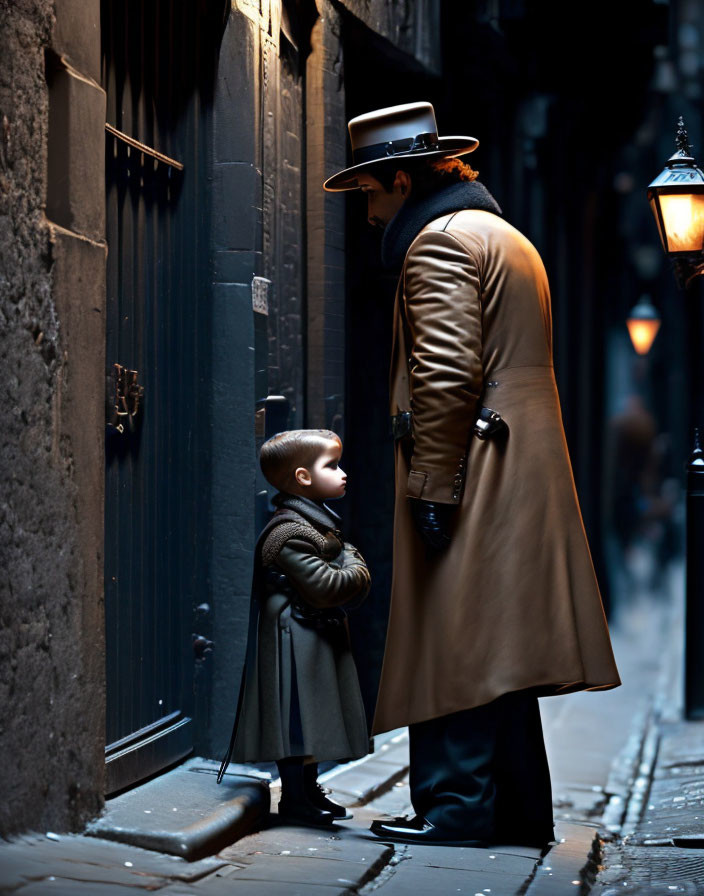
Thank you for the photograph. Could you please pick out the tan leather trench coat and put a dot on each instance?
(513, 603)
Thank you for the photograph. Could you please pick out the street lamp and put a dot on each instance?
(677, 201)
(643, 324)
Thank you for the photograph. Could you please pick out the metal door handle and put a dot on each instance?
(129, 395)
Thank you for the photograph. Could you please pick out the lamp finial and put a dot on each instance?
(682, 140)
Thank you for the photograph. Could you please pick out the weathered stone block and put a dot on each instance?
(79, 293)
(76, 35)
(236, 95)
(78, 275)
(76, 171)
(235, 265)
(232, 497)
(236, 206)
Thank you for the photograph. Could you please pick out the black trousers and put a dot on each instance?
(483, 772)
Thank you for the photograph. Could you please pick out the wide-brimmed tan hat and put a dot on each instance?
(394, 133)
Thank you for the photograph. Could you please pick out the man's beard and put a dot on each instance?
(377, 222)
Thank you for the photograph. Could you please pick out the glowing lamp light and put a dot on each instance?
(683, 221)
(676, 199)
(643, 324)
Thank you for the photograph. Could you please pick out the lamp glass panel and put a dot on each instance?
(642, 333)
(655, 209)
(683, 219)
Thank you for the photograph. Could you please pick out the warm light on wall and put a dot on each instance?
(643, 324)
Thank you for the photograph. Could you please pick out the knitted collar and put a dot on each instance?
(412, 217)
(315, 512)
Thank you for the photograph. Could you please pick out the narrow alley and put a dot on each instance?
(602, 748)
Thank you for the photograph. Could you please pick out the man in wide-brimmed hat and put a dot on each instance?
(494, 598)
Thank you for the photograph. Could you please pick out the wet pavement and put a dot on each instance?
(604, 749)
(658, 849)
(183, 813)
(674, 812)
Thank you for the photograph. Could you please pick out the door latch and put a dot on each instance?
(129, 395)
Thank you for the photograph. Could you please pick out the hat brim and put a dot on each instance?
(447, 146)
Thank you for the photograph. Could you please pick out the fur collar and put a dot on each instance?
(315, 512)
(412, 217)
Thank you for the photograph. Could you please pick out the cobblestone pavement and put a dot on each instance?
(599, 745)
(658, 849)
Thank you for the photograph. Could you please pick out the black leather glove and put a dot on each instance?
(433, 520)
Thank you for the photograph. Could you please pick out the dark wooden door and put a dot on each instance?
(157, 72)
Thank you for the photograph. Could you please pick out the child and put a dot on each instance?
(300, 701)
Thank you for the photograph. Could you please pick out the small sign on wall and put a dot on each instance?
(260, 424)
(260, 294)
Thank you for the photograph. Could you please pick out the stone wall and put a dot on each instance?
(326, 135)
(236, 251)
(410, 26)
(52, 397)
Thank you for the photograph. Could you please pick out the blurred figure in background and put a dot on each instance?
(643, 534)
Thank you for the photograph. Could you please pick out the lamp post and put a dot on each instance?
(677, 201)
(643, 324)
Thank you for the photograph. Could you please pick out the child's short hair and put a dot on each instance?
(283, 453)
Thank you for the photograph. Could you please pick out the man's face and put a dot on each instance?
(382, 206)
(325, 479)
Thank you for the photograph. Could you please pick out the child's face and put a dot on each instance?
(325, 479)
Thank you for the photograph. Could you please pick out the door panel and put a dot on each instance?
(157, 72)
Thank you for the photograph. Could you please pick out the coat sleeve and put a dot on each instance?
(443, 311)
(320, 583)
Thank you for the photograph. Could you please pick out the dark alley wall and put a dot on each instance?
(52, 395)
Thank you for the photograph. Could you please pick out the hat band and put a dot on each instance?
(419, 143)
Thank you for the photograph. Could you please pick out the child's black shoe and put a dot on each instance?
(318, 794)
(305, 813)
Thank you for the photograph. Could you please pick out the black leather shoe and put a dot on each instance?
(318, 796)
(305, 813)
(525, 837)
(420, 830)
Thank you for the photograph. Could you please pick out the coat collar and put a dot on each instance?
(412, 217)
(315, 512)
